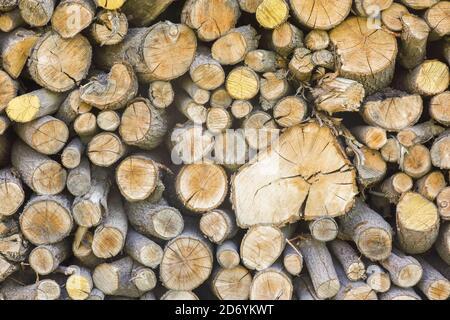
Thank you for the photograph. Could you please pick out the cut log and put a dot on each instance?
(14, 248)
(33, 105)
(143, 125)
(11, 192)
(220, 98)
(419, 4)
(261, 247)
(46, 219)
(323, 229)
(98, 295)
(45, 259)
(377, 278)
(8, 227)
(413, 40)
(72, 153)
(241, 108)
(230, 149)
(272, 13)
(218, 120)
(352, 290)
(431, 185)
(143, 250)
(440, 155)
(113, 90)
(6, 269)
(42, 290)
(4, 124)
(199, 95)
(231, 284)
(292, 260)
(405, 271)
(210, 19)
(36, 13)
(40, 173)
(419, 134)
(193, 111)
(8, 89)
(164, 51)
(273, 87)
(205, 71)
(392, 151)
(144, 278)
(386, 109)
(396, 185)
(242, 83)
(443, 243)
(82, 248)
(105, 149)
(191, 254)
(322, 15)
(416, 161)
(323, 58)
(440, 108)
(218, 225)
(72, 16)
(89, 209)
(338, 95)
(370, 8)
(110, 4)
(348, 259)
(417, 223)
(142, 13)
(249, 6)
(109, 27)
(285, 38)
(46, 135)
(370, 232)
(79, 179)
(201, 187)
(396, 293)
(50, 50)
(260, 130)
(71, 107)
(179, 295)
(79, 284)
(373, 137)
(271, 284)
(227, 254)
(433, 284)
(85, 126)
(299, 180)
(365, 55)
(320, 267)
(155, 219)
(317, 40)
(304, 288)
(109, 237)
(443, 203)
(161, 94)
(436, 17)
(11, 20)
(264, 61)
(428, 79)
(301, 65)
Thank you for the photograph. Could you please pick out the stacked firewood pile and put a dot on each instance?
(224, 149)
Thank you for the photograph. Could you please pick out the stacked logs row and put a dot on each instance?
(249, 149)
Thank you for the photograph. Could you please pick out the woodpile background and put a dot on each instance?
(335, 186)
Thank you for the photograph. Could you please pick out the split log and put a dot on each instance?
(315, 14)
(231, 284)
(210, 19)
(33, 105)
(436, 17)
(14, 248)
(218, 225)
(161, 94)
(272, 13)
(271, 284)
(218, 120)
(439, 108)
(201, 187)
(163, 51)
(72, 154)
(72, 16)
(396, 293)
(285, 38)
(45, 259)
(110, 235)
(109, 27)
(242, 83)
(42, 290)
(8, 227)
(377, 278)
(142, 13)
(443, 243)
(292, 260)
(6, 269)
(353, 290)
(338, 95)
(142, 249)
(40, 173)
(413, 48)
(11, 193)
(46, 219)
(348, 259)
(431, 185)
(443, 203)
(71, 107)
(396, 185)
(323, 229)
(142, 125)
(79, 179)
(261, 247)
(36, 13)
(155, 219)
(220, 98)
(227, 254)
(375, 71)
(293, 183)
(417, 230)
(439, 151)
(320, 267)
(301, 65)
(188, 252)
(205, 71)
(370, 232)
(433, 284)
(50, 50)
(428, 79)
(405, 271)
(417, 161)
(105, 149)
(82, 248)
(46, 135)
